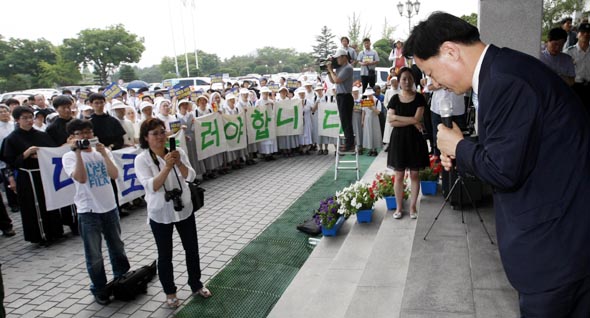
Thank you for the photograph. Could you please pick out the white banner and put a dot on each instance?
(289, 117)
(260, 124)
(127, 183)
(209, 135)
(58, 188)
(328, 120)
(235, 131)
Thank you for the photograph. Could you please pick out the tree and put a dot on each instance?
(324, 44)
(471, 19)
(61, 73)
(354, 31)
(19, 56)
(383, 48)
(555, 10)
(104, 49)
(387, 30)
(127, 73)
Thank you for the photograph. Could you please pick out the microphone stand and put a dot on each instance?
(446, 119)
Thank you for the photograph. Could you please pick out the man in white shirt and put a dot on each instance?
(92, 168)
(368, 59)
(580, 53)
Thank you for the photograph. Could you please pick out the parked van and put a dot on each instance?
(197, 83)
(381, 72)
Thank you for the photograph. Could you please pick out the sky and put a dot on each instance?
(226, 28)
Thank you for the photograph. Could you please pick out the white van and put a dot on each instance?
(197, 83)
(381, 72)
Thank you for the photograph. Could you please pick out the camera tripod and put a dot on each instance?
(459, 181)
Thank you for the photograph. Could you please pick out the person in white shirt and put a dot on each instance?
(92, 169)
(163, 174)
(119, 109)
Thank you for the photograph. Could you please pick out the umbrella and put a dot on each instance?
(137, 84)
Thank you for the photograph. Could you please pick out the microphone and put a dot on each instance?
(446, 112)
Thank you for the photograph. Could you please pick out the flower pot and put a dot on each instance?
(390, 202)
(428, 187)
(334, 229)
(364, 216)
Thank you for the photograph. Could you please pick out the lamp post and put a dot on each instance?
(408, 11)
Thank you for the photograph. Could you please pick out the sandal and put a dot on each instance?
(204, 292)
(172, 302)
(397, 215)
(414, 215)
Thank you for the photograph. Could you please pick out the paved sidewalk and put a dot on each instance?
(53, 282)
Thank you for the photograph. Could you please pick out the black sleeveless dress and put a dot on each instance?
(407, 147)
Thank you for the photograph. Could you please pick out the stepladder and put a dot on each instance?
(343, 159)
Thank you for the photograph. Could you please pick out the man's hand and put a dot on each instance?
(101, 149)
(31, 152)
(446, 161)
(446, 141)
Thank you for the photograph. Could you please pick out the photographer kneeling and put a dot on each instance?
(163, 174)
(90, 164)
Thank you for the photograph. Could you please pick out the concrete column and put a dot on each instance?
(513, 24)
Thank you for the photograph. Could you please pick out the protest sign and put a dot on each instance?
(209, 135)
(260, 124)
(328, 120)
(289, 117)
(112, 91)
(235, 131)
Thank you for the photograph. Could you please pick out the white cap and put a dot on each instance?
(202, 96)
(230, 96)
(244, 91)
(118, 105)
(264, 89)
(307, 83)
(84, 107)
(340, 52)
(283, 88)
(368, 92)
(355, 89)
(300, 90)
(319, 87)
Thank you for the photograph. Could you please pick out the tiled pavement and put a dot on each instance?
(53, 282)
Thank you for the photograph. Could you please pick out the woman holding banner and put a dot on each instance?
(267, 147)
(20, 152)
(163, 174)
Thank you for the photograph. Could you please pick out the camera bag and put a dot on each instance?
(197, 195)
(133, 283)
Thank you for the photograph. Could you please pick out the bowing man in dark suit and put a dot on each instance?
(533, 148)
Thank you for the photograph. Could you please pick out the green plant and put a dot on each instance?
(431, 173)
(328, 213)
(383, 185)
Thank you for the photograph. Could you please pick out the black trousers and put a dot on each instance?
(583, 91)
(571, 301)
(345, 104)
(2, 311)
(368, 80)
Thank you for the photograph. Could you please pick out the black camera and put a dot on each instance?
(324, 65)
(86, 143)
(176, 196)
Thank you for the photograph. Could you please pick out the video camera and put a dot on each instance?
(324, 65)
(86, 143)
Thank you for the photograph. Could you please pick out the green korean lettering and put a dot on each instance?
(260, 124)
(211, 133)
(327, 114)
(239, 128)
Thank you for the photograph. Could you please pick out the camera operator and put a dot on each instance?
(92, 169)
(342, 77)
(163, 174)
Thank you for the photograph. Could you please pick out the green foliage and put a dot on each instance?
(555, 10)
(20, 62)
(61, 73)
(104, 49)
(325, 44)
(471, 19)
(127, 73)
(383, 48)
(387, 31)
(150, 74)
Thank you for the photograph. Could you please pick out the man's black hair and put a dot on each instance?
(66, 91)
(366, 39)
(143, 89)
(427, 37)
(31, 98)
(78, 125)
(96, 96)
(62, 100)
(566, 19)
(11, 101)
(19, 110)
(556, 34)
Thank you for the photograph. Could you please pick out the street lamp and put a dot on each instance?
(409, 13)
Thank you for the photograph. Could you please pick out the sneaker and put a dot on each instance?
(397, 215)
(9, 233)
(414, 215)
(102, 299)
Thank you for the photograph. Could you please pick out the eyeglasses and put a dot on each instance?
(83, 132)
(157, 133)
(25, 118)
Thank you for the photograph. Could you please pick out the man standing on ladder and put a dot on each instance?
(342, 78)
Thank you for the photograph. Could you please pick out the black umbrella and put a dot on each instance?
(137, 84)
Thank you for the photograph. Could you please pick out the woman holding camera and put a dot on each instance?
(163, 174)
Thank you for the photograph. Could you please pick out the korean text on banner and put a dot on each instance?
(209, 135)
(328, 120)
(235, 131)
(58, 188)
(289, 117)
(127, 183)
(112, 91)
(260, 124)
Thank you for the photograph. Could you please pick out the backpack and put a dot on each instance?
(133, 283)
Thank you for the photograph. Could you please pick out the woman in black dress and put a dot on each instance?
(408, 149)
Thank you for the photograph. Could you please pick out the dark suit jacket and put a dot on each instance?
(534, 149)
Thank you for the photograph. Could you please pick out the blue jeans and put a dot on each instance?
(187, 230)
(92, 227)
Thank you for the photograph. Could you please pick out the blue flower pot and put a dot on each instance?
(334, 229)
(364, 216)
(428, 187)
(390, 202)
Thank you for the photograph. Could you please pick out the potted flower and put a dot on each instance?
(328, 216)
(429, 176)
(358, 198)
(383, 186)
